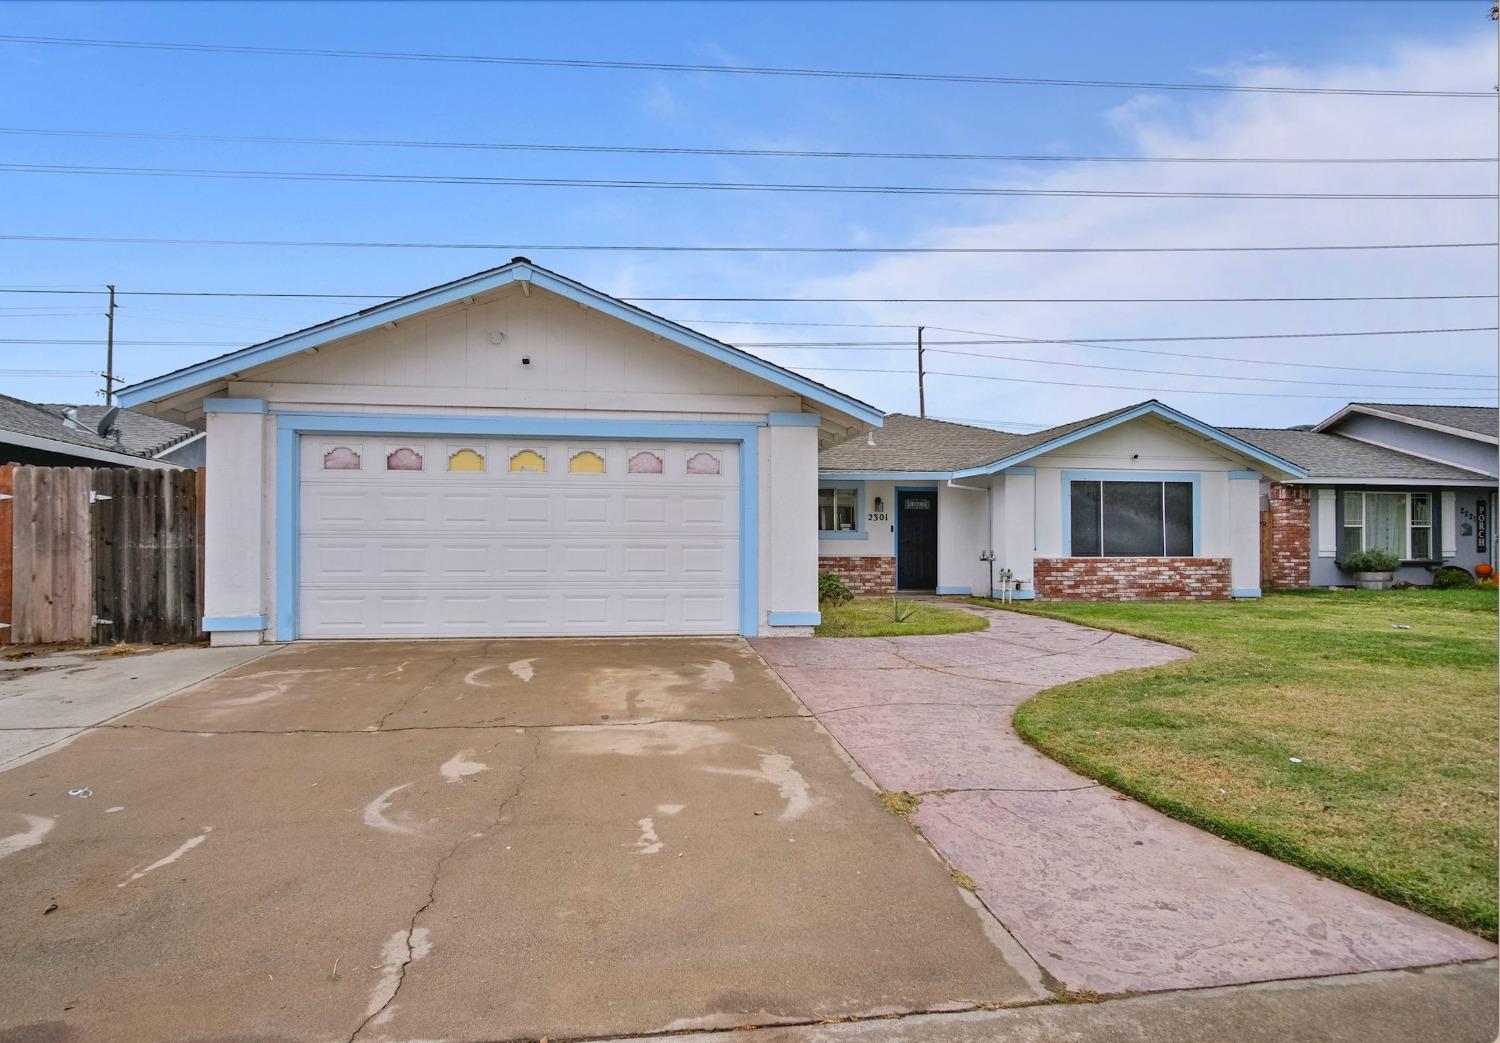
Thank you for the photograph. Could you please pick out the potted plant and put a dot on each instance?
(1372, 568)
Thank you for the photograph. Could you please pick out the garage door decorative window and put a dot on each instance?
(341, 458)
(404, 459)
(528, 460)
(645, 463)
(586, 463)
(703, 463)
(466, 460)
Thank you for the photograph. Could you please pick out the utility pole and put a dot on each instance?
(921, 377)
(109, 352)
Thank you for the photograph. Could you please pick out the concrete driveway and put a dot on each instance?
(469, 840)
(1105, 893)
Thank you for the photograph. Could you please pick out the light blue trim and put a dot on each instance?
(1021, 471)
(1023, 595)
(1152, 408)
(860, 532)
(1068, 477)
(794, 420)
(451, 293)
(793, 619)
(290, 426)
(218, 624)
(1244, 476)
(965, 591)
(234, 405)
(888, 476)
(1245, 592)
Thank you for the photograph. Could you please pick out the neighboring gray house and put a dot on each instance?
(31, 433)
(1417, 480)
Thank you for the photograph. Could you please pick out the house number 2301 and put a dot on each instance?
(879, 516)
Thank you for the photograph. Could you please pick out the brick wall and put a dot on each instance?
(1287, 555)
(1132, 579)
(864, 575)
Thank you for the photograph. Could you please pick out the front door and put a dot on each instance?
(916, 539)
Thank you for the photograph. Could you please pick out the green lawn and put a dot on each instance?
(872, 617)
(1395, 792)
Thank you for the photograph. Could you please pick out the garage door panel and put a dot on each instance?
(480, 550)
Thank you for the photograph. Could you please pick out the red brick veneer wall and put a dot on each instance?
(1133, 579)
(864, 575)
(1287, 563)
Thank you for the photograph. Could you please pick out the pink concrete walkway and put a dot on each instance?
(1105, 893)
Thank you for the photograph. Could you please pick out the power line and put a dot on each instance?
(654, 248)
(810, 300)
(675, 150)
(1119, 387)
(741, 70)
(489, 181)
(1109, 340)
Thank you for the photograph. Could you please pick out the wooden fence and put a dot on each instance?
(100, 554)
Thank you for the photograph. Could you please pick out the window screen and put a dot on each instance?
(1131, 519)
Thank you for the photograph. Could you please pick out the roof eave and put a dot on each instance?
(225, 366)
(62, 448)
(1431, 425)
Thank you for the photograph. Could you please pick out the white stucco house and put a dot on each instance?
(1140, 502)
(512, 453)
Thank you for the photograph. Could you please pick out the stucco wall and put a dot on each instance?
(1437, 445)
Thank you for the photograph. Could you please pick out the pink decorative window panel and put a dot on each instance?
(404, 460)
(703, 463)
(645, 463)
(341, 458)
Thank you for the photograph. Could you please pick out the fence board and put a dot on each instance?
(7, 539)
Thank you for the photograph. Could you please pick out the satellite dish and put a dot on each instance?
(107, 421)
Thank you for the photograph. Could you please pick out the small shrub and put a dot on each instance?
(1451, 577)
(901, 611)
(1370, 561)
(833, 590)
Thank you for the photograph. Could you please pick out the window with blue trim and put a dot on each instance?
(1131, 519)
(838, 510)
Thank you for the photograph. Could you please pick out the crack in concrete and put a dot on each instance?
(484, 727)
(432, 887)
(452, 662)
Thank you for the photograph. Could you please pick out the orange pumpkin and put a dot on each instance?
(1484, 568)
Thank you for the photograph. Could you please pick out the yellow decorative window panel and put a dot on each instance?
(465, 460)
(586, 463)
(528, 460)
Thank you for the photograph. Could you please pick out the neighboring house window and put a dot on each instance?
(1400, 523)
(838, 510)
(1131, 519)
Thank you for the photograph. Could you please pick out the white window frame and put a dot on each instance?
(1406, 555)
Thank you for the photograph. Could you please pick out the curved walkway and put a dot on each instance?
(1105, 893)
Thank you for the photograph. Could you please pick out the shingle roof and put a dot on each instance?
(138, 433)
(28, 418)
(1325, 455)
(909, 443)
(1482, 420)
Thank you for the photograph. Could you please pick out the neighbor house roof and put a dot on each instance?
(909, 445)
(215, 371)
(1481, 421)
(1325, 455)
(40, 427)
(131, 431)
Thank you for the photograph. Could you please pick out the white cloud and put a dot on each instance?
(1216, 125)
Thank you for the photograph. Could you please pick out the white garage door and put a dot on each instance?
(442, 537)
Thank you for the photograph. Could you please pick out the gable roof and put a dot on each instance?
(914, 445)
(518, 270)
(41, 427)
(129, 431)
(1478, 422)
(1326, 455)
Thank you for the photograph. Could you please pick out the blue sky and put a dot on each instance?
(1416, 45)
